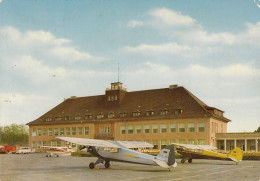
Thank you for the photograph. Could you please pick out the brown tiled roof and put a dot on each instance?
(142, 101)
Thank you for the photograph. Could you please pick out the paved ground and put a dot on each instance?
(40, 168)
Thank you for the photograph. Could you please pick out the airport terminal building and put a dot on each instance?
(158, 116)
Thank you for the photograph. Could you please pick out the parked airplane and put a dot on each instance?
(121, 151)
(190, 152)
(57, 151)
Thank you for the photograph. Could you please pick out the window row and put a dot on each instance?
(60, 131)
(112, 115)
(163, 128)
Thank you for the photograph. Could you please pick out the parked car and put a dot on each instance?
(7, 149)
(23, 150)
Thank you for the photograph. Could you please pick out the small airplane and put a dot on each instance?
(57, 151)
(122, 151)
(190, 152)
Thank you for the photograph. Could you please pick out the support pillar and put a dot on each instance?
(245, 144)
(235, 143)
(225, 144)
(256, 145)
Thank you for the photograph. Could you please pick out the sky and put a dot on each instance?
(55, 49)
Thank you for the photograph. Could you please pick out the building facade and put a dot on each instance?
(158, 116)
(248, 141)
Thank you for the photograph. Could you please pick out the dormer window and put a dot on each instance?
(123, 114)
(67, 118)
(58, 118)
(135, 114)
(48, 119)
(77, 118)
(163, 112)
(110, 115)
(100, 116)
(88, 116)
(178, 111)
(149, 113)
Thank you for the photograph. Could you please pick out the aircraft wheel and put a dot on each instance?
(107, 164)
(190, 160)
(47, 155)
(92, 165)
(182, 161)
(57, 155)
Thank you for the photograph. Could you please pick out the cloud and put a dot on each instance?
(187, 41)
(172, 18)
(134, 23)
(43, 44)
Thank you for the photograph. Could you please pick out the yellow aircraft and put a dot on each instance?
(190, 152)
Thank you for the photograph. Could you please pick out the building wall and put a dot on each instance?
(46, 138)
(112, 131)
(216, 126)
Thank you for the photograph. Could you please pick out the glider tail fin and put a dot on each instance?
(236, 155)
(166, 157)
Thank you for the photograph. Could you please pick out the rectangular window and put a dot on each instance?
(163, 144)
(61, 131)
(130, 129)
(34, 132)
(149, 113)
(48, 119)
(74, 131)
(155, 144)
(67, 131)
(39, 144)
(39, 131)
(163, 112)
(80, 130)
(182, 141)
(146, 128)
(191, 142)
(44, 143)
(172, 141)
(201, 142)
(181, 127)
(122, 129)
(100, 116)
(56, 132)
(163, 128)
(33, 144)
(138, 129)
(58, 118)
(44, 132)
(135, 114)
(201, 127)
(77, 118)
(155, 128)
(88, 116)
(178, 111)
(58, 143)
(191, 127)
(50, 131)
(54, 143)
(86, 130)
(122, 115)
(111, 115)
(67, 118)
(172, 128)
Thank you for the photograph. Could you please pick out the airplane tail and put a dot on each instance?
(166, 158)
(236, 155)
